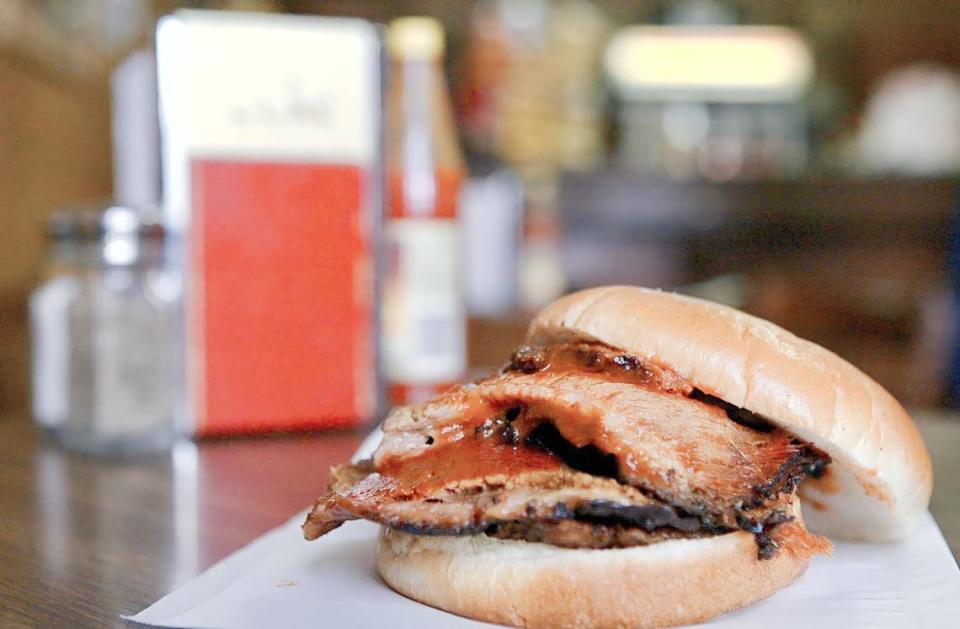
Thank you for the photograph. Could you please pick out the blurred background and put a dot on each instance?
(797, 160)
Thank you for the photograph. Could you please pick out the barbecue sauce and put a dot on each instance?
(469, 457)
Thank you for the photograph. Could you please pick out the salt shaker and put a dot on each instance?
(123, 339)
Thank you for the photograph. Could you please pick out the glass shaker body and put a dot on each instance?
(122, 327)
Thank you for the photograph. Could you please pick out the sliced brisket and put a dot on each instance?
(577, 446)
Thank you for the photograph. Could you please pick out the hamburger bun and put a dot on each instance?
(875, 488)
(536, 585)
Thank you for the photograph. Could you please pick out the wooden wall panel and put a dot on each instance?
(54, 151)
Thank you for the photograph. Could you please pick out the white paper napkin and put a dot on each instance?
(280, 580)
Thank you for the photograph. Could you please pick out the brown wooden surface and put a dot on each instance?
(84, 540)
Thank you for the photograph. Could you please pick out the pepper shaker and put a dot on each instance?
(123, 339)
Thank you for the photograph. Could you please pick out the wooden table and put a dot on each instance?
(84, 540)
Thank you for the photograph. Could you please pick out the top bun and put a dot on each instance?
(880, 480)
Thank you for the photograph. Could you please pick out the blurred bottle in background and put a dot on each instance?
(530, 93)
(531, 98)
(135, 130)
(424, 320)
(491, 214)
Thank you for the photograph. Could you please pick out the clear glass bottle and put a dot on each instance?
(50, 306)
(123, 340)
(424, 320)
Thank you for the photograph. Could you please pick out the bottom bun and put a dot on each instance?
(537, 585)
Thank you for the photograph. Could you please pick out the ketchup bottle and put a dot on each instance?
(424, 320)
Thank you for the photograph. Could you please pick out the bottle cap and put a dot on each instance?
(415, 38)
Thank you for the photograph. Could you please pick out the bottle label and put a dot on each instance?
(424, 318)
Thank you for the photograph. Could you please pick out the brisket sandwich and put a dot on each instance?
(641, 461)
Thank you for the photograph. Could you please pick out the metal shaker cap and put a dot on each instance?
(128, 235)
